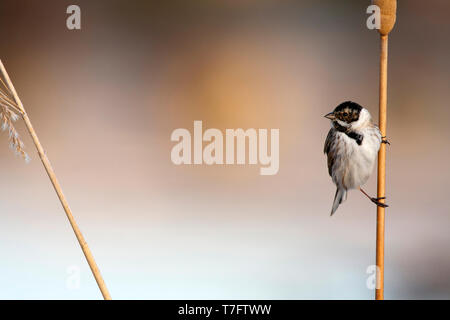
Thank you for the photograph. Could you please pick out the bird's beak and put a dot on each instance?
(330, 116)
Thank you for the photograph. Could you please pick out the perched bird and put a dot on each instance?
(351, 146)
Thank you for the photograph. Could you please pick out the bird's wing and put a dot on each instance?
(329, 149)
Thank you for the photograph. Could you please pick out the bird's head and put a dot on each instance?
(347, 114)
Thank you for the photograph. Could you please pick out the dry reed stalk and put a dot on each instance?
(7, 120)
(388, 18)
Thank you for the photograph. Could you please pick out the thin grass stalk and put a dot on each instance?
(51, 174)
(381, 189)
(388, 10)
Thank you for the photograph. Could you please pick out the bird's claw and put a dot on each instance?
(378, 203)
(385, 141)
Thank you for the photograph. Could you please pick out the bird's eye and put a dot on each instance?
(345, 114)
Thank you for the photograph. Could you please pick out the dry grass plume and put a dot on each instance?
(9, 113)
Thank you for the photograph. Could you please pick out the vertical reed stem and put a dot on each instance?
(381, 190)
(51, 174)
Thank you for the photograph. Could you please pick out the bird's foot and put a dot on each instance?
(378, 203)
(385, 140)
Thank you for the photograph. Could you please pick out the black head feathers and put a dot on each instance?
(347, 111)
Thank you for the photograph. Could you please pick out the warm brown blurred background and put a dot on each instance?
(104, 101)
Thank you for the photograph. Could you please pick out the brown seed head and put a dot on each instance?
(388, 10)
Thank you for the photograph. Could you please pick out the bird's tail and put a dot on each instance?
(341, 195)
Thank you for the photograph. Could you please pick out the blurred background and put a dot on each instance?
(104, 101)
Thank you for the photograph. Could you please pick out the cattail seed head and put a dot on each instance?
(388, 10)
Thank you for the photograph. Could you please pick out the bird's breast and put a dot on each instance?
(357, 159)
